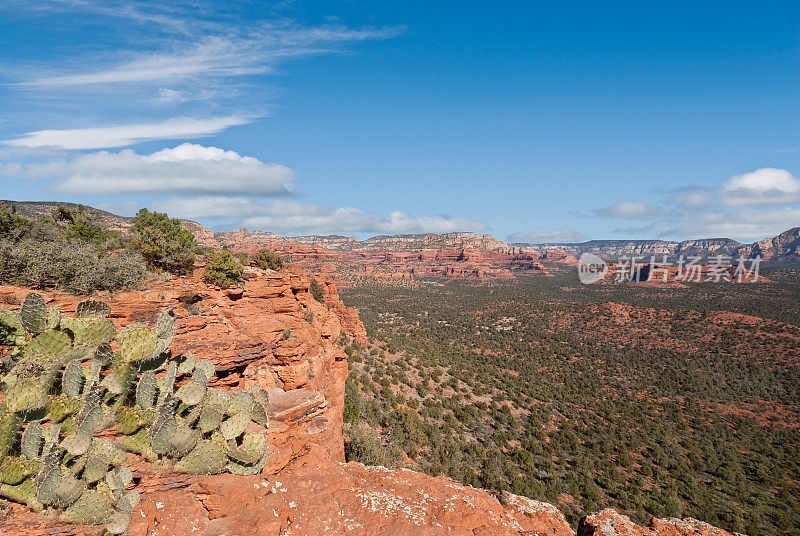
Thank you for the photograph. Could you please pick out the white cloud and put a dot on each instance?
(692, 196)
(173, 15)
(221, 56)
(122, 135)
(290, 217)
(546, 236)
(765, 186)
(744, 225)
(187, 57)
(634, 210)
(208, 207)
(188, 168)
(745, 207)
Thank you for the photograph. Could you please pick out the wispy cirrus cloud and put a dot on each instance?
(223, 56)
(183, 59)
(122, 135)
(178, 15)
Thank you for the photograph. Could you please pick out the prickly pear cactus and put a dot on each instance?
(69, 378)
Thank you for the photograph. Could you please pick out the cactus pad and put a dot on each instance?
(12, 470)
(128, 421)
(147, 390)
(234, 426)
(210, 418)
(67, 491)
(119, 380)
(166, 384)
(191, 393)
(187, 365)
(77, 444)
(91, 508)
(238, 468)
(33, 313)
(48, 478)
(24, 395)
(89, 418)
(50, 343)
(182, 441)
(165, 325)
(32, 440)
(94, 333)
(240, 401)
(250, 451)
(137, 343)
(92, 309)
(53, 317)
(72, 379)
(10, 425)
(206, 366)
(24, 492)
(207, 457)
(11, 329)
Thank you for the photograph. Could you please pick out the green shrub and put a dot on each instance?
(77, 225)
(364, 445)
(12, 226)
(222, 268)
(73, 267)
(162, 241)
(318, 291)
(268, 260)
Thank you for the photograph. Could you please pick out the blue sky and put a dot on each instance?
(530, 121)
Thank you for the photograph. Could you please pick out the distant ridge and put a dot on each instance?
(784, 247)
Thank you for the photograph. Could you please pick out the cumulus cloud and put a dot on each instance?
(187, 168)
(122, 135)
(546, 236)
(634, 210)
(291, 217)
(745, 207)
(765, 186)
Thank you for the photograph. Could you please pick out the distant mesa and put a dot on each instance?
(458, 255)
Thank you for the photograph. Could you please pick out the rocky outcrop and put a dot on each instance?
(332, 242)
(611, 523)
(272, 333)
(322, 497)
(785, 246)
(708, 247)
(409, 242)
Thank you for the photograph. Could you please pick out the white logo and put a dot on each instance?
(591, 268)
